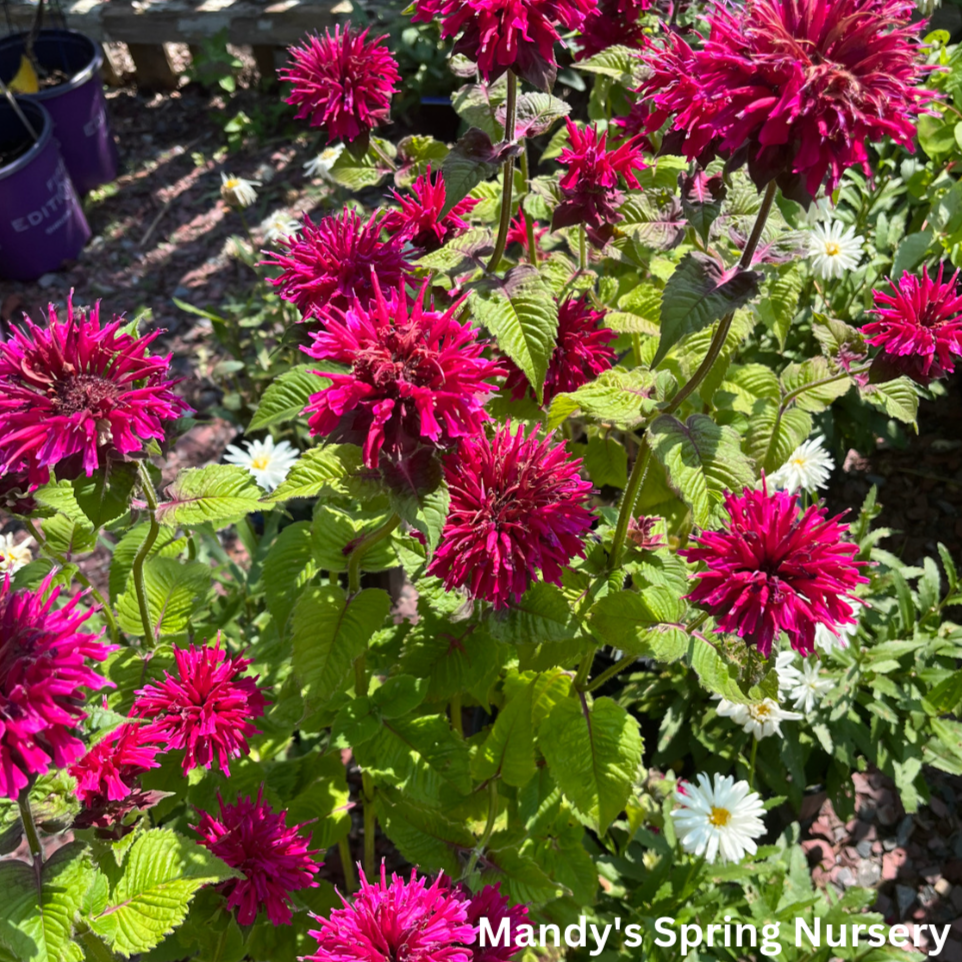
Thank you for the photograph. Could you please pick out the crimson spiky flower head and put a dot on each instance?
(342, 82)
(614, 22)
(798, 88)
(776, 568)
(518, 231)
(517, 507)
(43, 669)
(416, 376)
(490, 904)
(81, 391)
(109, 771)
(500, 35)
(580, 355)
(273, 858)
(919, 326)
(405, 919)
(590, 189)
(330, 263)
(419, 220)
(206, 710)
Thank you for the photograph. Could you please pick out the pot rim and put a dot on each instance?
(40, 144)
(79, 78)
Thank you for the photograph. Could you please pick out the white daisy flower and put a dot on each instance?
(724, 818)
(834, 249)
(761, 718)
(808, 688)
(279, 226)
(807, 468)
(267, 462)
(321, 165)
(819, 210)
(826, 638)
(788, 674)
(237, 191)
(14, 556)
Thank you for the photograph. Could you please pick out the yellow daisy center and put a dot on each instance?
(832, 248)
(719, 817)
(261, 462)
(231, 183)
(760, 712)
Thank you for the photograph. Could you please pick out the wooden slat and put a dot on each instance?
(254, 22)
(154, 70)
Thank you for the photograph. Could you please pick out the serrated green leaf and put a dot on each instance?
(336, 469)
(898, 398)
(537, 112)
(773, 435)
(424, 835)
(618, 62)
(618, 397)
(167, 545)
(508, 750)
(471, 160)
(542, 614)
(176, 591)
(477, 105)
(779, 302)
(594, 756)
(329, 632)
(287, 396)
(813, 384)
(703, 460)
(335, 530)
(160, 874)
(642, 623)
(606, 461)
(400, 695)
(425, 512)
(289, 565)
(220, 494)
(70, 530)
(106, 494)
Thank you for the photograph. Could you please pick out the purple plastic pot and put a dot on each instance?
(78, 107)
(41, 220)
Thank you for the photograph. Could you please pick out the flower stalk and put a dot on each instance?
(137, 570)
(507, 172)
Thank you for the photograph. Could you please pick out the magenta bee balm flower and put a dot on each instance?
(110, 769)
(206, 710)
(342, 82)
(518, 506)
(419, 220)
(274, 859)
(581, 352)
(416, 376)
(43, 671)
(919, 326)
(80, 391)
(590, 189)
(331, 262)
(776, 568)
(490, 904)
(500, 35)
(800, 86)
(614, 22)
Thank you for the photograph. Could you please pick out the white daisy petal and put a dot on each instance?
(834, 249)
(237, 190)
(14, 556)
(722, 818)
(268, 463)
(761, 719)
(808, 468)
(827, 638)
(279, 226)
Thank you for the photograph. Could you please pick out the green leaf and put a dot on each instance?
(167, 545)
(419, 756)
(106, 494)
(176, 591)
(618, 62)
(618, 397)
(537, 112)
(400, 695)
(471, 160)
(329, 632)
(508, 750)
(519, 876)
(772, 436)
(289, 566)
(220, 494)
(642, 623)
(425, 512)
(287, 396)
(911, 252)
(642, 301)
(467, 253)
(703, 460)
(594, 756)
(606, 461)
(521, 313)
(335, 469)
(367, 171)
(696, 295)
(813, 385)
(160, 874)
(477, 105)
(424, 835)
(70, 530)
(40, 930)
(898, 398)
(779, 303)
(659, 225)
(542, 614)
(335, 530)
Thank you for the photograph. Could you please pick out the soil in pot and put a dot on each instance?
(11, 150)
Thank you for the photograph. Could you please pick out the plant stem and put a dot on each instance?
(488, 829)
(511, 106)
(456, 722)
(528, 221)
(584, 669)
(82, 578)
(33, 837)
(612, 670)
(751, 763)
(638, 472)
(582, 249)
(370, 824)
(718, 341)
(361, 548)
(137, 570)
(350, 879)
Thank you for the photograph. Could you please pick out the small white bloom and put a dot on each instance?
(808, 688)
(788, 674)
(834, 249)
(820, 209)
(267, 462)
(807, 468)
(14, 556)
(279, 226)
(927, 7)
(237, 191)
(724, 818)
(761, 718)
(826, 638)
(321, 165)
